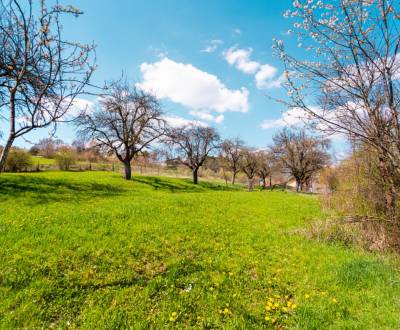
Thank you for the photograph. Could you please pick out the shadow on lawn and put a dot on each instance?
(182, 185)
(37, 189)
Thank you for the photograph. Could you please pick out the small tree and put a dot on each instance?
(18, 160)
(48, 147)
(301, 155)
(231, 151)
(127, 121)
(191, 145)
(249, 165)
(41, 73)
(265, 167)
(65, 157)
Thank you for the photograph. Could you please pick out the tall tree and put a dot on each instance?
(192, 144)
(301, 155)
(41, 73)
(249, 165)
(348, 81)
(231, 151)
(125, 123)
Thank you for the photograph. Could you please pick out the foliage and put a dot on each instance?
(86, 250)
(65, 157)
(18, 160)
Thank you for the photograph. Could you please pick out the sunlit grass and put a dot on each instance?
(91, 250)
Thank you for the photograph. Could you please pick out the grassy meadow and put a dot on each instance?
(90, 250)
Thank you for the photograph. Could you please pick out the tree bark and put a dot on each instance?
(250, 184)
(299, 186)
(128, 170)
(270, 182)
(4, 153)
(195, 175)
(233, 177)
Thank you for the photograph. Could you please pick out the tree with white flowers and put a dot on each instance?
(347, 80)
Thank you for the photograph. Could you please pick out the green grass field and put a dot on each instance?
(89, 250)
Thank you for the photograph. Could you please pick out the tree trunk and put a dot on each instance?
(264, 185)
(270, 182)
(233, 177)
(4, 153)
(299, 186)
(391, 195)
(128, 170)
(195, 175)
(250, 184)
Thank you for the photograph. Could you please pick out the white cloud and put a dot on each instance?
(212, 46)
(187, 85)
(292, 117)
(207, 116)
(237, 32)
(264, 74)
(176, 121)
(240, 58)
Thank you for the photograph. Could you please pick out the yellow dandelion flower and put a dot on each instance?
(306, 296)
(227, 311)
(267, 318)
(268, 308)
(334, 300)
(294, 306)
(276, 305)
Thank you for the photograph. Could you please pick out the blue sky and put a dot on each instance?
(207, 60)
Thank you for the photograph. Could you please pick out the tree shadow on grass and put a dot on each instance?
(35, 189)
(182, 185)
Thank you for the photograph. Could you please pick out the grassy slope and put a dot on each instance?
(93, 251)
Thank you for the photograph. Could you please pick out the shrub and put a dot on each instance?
(357, 192)
(65, 158)
(18, 160)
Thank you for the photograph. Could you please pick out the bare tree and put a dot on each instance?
(351, 85)
(265, 167)
(249, 165)
(47, 147)
(192, 144)
(231, 151)
(41, 73)
(301, 155)
(126, 122)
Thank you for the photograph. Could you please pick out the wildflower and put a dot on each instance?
(173, 317)
(284, 309)
(226, 311)
(334, 300)
(268, 308)
(230, 274)
(267, 318)
(294, 306)
(306, 296)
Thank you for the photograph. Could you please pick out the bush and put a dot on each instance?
(65, 158)
(357, 191)
(18, 160)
